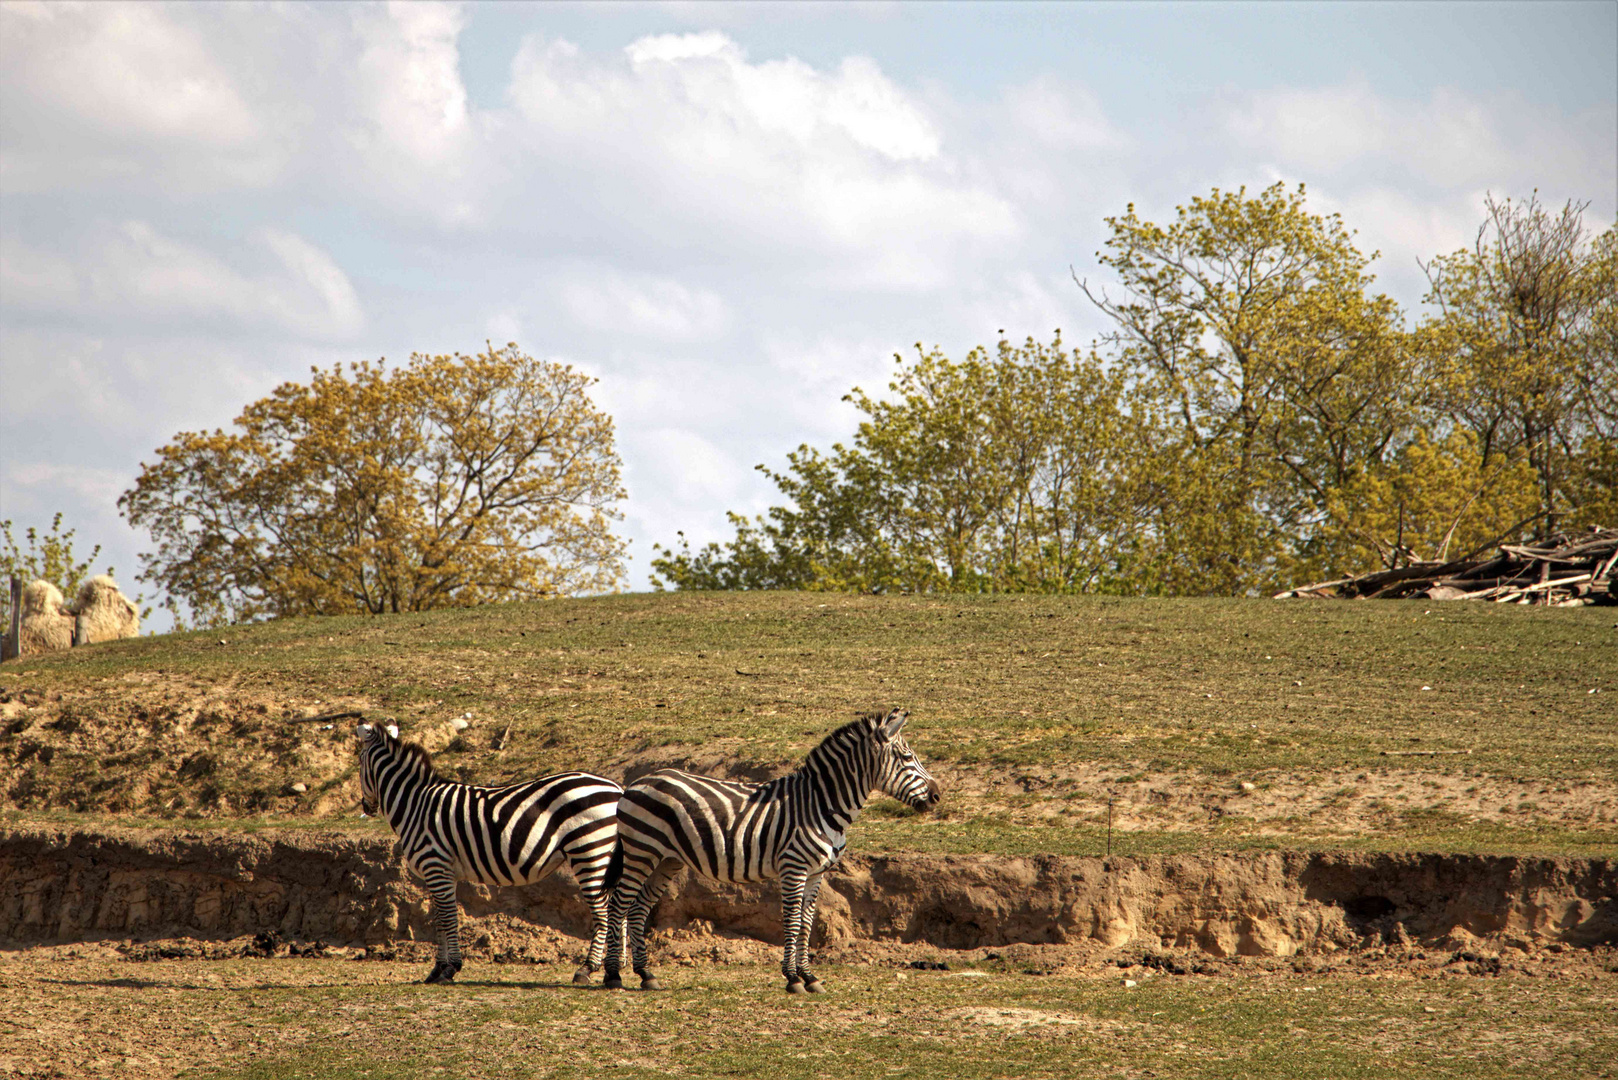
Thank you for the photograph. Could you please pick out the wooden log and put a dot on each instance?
(1552, 570)
(1531, 590)
(1484, 569)
(1478, 584)
(1608, 541)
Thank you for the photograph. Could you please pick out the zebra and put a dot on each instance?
(793, 828)
(511, 835)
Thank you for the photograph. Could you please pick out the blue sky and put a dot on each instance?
(1138, 56)
(728, 213)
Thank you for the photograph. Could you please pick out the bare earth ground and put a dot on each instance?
(97, 1010)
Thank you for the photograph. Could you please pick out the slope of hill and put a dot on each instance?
(1204, 723)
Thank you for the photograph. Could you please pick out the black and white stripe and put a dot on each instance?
(793, 828)
(512, 835)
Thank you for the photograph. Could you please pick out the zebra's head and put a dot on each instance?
(376, 748)
(899, 772)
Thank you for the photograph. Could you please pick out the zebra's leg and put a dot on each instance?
(613, 960)
(811, 893)
(792, 886)
(598, 941)
(624, 895)
(650, 893)
(593, 885)
(447, 921)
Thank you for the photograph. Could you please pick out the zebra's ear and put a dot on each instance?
(889, 728)
(393, 730)
(365, 731)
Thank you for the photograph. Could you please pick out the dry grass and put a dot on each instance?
(273, 1019)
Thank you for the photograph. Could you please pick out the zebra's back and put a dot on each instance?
(519, 833)
(723, 829)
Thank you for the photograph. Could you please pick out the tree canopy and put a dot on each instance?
(448, 481)
(1528, 332)
(1257, 416)
(990, 472)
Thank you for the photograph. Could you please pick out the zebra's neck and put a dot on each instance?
(401, 779)
(841, 780)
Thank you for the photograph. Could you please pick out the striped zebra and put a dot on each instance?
(792, 828)
(511, 835)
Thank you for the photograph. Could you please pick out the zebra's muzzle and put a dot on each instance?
(930, 797)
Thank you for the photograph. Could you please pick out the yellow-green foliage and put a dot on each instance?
(1257, 417)
(452, 480)
(1435, 500)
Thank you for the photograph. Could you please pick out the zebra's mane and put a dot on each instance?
(423, 759)
(864, 725)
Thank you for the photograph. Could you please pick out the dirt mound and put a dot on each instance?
(58, 885)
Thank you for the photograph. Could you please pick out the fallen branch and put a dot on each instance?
(1555, 571)
(347, 714)
(1421, 753)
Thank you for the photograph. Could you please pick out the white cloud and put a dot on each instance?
(136, 272)
(650, 307)
(33, 279)
(684, 467)
(503, 326)
(695, 139)
(1449, 140)
(1054, 112)
(1411, 176)
(127, 69)
(111, 91)
(787, 97)
(411, 101)
(99, 486)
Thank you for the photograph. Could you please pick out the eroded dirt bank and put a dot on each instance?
(58, 885)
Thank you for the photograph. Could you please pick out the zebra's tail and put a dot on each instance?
(615, 864)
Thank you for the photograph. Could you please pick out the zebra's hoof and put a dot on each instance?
(441, 973)
(795, 987)
(815, 986)
(581, 977)
(612, 982)
(649, 982)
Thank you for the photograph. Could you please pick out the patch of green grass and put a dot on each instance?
(1003, 686)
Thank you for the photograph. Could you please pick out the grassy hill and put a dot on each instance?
(1206, 723)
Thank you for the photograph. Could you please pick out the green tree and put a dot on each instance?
(1249, 325)
(49, 556)
(1434, 500)
(1003, 471)
(450, 481)
(1527, 326)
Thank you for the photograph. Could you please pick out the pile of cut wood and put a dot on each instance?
(1565, 570)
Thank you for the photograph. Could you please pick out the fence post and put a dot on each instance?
(13, 644)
